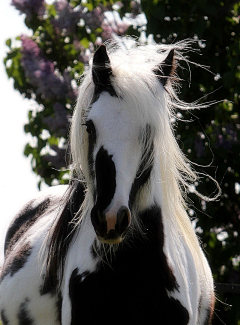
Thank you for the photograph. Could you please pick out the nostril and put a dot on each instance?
(98, 221)
(123, 219)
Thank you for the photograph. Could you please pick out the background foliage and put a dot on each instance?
(46, 68)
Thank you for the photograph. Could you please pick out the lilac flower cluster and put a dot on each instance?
(94, 19)
(58, 124)
(30, 7)
(66, 18)
(42, 75)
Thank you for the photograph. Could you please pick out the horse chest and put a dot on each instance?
(132, 290)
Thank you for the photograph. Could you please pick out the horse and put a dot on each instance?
(116, 245)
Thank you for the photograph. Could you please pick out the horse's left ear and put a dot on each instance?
(166, 69)
(101, 70)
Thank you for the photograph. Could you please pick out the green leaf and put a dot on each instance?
(53, 141)
(30, 115)
(39, 185)
(9, 42)
(70, 49)
(12, 54)
(51, 10)
(212, 241)
(28, 150)
(85, 42)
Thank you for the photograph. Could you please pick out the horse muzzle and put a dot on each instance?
(111, 227)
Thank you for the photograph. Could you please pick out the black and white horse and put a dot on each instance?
(116, 246)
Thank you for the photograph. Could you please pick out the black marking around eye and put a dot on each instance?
(143, 172)
(91, 129)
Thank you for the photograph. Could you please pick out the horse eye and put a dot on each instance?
(90, 128)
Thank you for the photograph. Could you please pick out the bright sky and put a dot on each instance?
(18, 183)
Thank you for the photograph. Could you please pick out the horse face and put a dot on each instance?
(115, 149)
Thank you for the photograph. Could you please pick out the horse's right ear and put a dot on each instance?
(166, 69)
(101, 70)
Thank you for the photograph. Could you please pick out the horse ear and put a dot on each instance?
(166, 69)
(101, 70)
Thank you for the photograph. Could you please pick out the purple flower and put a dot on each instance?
(66, 19)
(94, 19)
(40, 71)
(30, 7)
(58, 124)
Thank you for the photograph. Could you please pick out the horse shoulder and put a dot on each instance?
(23, 271)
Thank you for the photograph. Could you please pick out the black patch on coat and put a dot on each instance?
(105, 188)
(4, 318)
(132, 288)
(61, 238)
(22, 222)
(143, 173)
(106, 179)
(14, 262)
(24, 317)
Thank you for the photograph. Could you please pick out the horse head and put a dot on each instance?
(119, 143)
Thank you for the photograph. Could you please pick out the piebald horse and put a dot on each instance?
(115, 246)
